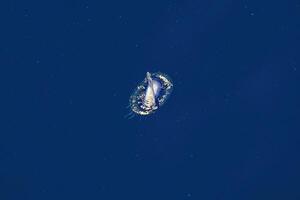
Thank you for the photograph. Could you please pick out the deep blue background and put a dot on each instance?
(230, 130)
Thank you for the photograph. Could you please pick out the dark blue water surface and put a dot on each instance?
(229, 131)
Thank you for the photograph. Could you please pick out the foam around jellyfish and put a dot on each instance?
(151, 93)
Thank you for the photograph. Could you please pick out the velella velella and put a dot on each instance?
(150, 94)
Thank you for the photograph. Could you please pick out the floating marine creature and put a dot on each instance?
(150, 94)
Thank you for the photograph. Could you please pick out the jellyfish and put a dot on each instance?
(150, 94)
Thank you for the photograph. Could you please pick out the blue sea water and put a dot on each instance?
(230, 129)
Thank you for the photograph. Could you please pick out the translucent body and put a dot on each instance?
(151, 93)
(156, 88)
